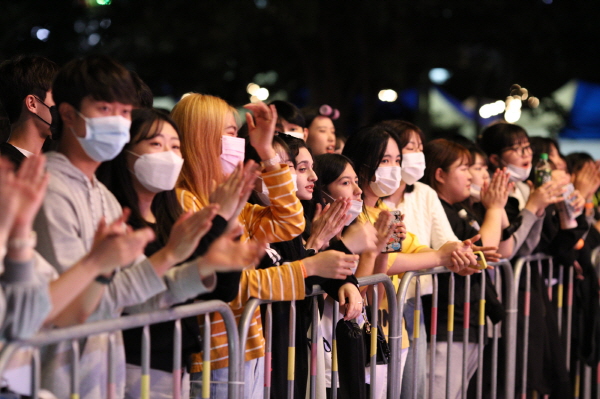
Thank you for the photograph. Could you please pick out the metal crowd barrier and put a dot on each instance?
(503, 278)
(393, 338)
(588, 370)
(126, 322)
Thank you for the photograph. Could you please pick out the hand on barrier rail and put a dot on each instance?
(21, 195)
(495, 194)
(330, 264)
(227, 253)
(232, 194)
(261, 130)
(328, 222)
(489, 252)
(458, 255)
(351, 301)
(542, 196)
(116, 244)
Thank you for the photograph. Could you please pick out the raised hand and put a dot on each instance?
(327, 223)
(187, 232)
(330, 264)
(116, 245)
(495, 194)
(227, 253)
(8, 199)
(542, 196)
(587, 180)
(351, 301)
(261, 128)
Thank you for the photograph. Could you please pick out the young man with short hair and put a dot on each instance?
(26, 95)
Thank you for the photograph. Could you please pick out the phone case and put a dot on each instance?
(394, 243)
(481, 263)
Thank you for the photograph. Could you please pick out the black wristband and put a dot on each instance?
(105, 280)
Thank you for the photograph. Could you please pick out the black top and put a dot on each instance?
(463, 230)
(12, 153)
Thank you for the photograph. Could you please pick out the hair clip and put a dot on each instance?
(326, 110)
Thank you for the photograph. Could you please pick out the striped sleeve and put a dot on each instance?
(284, 218)
(187, 200)
(280, 283)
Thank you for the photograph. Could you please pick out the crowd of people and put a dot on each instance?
(112, 207)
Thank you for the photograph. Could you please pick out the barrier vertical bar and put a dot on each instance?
(111, 388)
(334, 354)
(577, 384)
(74, 369)
(550, 276)
(480, 343)
(36, 372)
(145, 380)
(313, 348)
(177, 371)
(466, 329)
(559, 299)
(587, 379)
(569, 316)
(496, 334)
(416, 336)
(373, 351)
(268, 349)
(433, 332)
(292, 350)
(451, 287)
(526, 312)
(206, 366)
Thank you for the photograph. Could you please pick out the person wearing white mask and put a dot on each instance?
(290, 120)
(153, 162)
(95, 96)
(373, 150)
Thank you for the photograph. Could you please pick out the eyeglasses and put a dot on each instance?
(520, 150)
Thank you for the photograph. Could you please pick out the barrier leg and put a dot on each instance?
(111, 388)
(481, 338)
(177, 372)
(145, 380)
(334, 352)
(433, 332)
(416, 338)
(268, 350)
(466, 318)
(292, 350)
(74, 369)
(450, 333)
(313, 351)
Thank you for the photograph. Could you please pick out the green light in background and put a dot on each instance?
(103, 2)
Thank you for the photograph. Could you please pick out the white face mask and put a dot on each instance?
(233, 150)
(475, 192)
(387, 181)
(105, 136)
(298, 135)
(157, 171)
(356, 207)
(517, 174)
(355, 210)
(413, 167)
(294, 180)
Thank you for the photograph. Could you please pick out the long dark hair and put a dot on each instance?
(366, 149)
(329, 167)
(116, 176)
(496, 138)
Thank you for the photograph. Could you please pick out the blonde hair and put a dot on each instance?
(201, 120)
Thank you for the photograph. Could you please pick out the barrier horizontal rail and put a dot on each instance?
(127, 322)
(392, 390)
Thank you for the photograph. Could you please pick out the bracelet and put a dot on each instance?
(22, 243)
(105, 280)
(276, 160)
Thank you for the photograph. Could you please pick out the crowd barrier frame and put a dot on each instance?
(394, 337)
(509, 323)
(132, 321)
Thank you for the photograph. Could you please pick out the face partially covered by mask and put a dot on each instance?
(517, 174)
(233, 150)
(157, 171)
(105, 136)
(413, 167)
(387, 181)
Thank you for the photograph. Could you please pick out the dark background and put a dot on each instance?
(336, 52)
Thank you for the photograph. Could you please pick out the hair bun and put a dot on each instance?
(325, 110)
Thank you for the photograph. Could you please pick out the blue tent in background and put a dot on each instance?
(583, 121)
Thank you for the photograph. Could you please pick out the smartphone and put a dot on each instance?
(481, 263)
(394, 243)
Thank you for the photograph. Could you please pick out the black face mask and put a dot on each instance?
(54, 123)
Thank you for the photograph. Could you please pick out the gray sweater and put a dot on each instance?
(66, 225)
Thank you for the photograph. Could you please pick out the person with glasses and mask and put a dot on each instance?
(26, 95)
